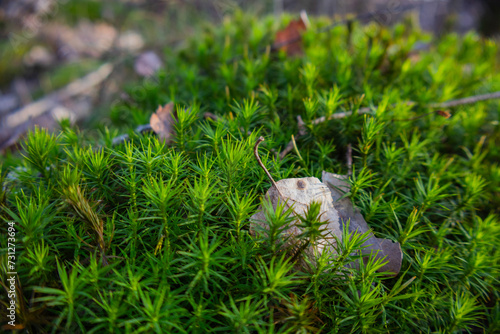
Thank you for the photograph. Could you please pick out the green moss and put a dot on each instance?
(149, 237)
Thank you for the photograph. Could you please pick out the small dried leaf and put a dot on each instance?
(162, 122)
(444, 113)
(289, 39)
(338, 185)
(335, 210)
(300, 193)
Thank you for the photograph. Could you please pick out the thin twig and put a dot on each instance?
(288, 147)
(322, 119)
(440, 112)
(256, 153)
(80, 86)
(466, 100)
(366, 110)
(301, 125)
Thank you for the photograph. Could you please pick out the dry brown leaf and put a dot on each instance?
(336, 211)
(338, 185)
(162, 122)
(444, 113)
(299, 193)
(289, 39)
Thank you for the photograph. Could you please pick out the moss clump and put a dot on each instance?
(148, 237)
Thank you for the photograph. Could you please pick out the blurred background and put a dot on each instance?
(71, 58)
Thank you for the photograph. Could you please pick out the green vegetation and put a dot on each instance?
(149, 237)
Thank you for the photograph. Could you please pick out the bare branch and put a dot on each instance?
(256, 153)
(366, 110)
(77, 87)
(466, 100)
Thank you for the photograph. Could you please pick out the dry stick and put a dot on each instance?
(288, 148)
(414, 118)
(291, 144)
(322, 119)
(20, 119)
(365, 110)
(466, 100)
(275, 185)
(442, 113)
(256, 153)
(77, 87)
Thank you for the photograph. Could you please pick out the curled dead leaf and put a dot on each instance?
(335, 210)
(444, 113)
(289, 39)
(299, 193)
(338, 186)
(162, 122)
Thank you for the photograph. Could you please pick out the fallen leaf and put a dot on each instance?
(289, 39)
(299, 193)
(444, 113)
(338, 186)
(162, 121)
(335, 210)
